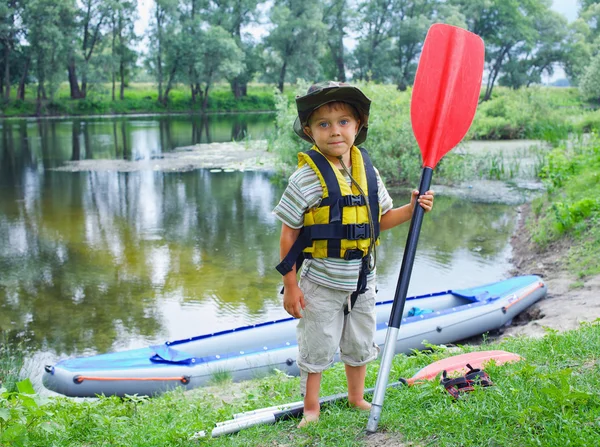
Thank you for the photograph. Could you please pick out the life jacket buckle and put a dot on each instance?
(353, 254)
(352, 200)
(357, 231)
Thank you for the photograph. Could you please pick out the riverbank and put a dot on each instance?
(141, 98)
(569, 302)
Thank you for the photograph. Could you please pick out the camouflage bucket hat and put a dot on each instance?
(326, 92)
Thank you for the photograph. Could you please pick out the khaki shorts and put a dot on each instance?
(324, 327)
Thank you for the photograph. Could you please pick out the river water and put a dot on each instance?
(97, 261)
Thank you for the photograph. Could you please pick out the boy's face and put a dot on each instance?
(333, 127)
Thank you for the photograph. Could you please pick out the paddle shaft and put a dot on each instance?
(389, 349)
(270, 417)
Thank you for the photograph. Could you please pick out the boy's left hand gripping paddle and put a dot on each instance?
(442, 108)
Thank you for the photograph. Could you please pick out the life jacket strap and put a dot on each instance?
(307, 235)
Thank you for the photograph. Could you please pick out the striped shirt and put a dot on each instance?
(304, 191)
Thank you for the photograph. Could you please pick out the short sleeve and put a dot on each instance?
(385, 200)
(292, 206)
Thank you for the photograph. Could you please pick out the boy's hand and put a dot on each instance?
(293, 300)
(426, 200)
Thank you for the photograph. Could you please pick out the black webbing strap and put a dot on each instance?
(373, 190)
(361, 285)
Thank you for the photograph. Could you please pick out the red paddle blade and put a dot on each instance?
(446, 90)
(459, 363)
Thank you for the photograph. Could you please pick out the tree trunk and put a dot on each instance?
(38, 107)
(165, 100)
(159, 73)
(7, 72)
(83, 85)
(494, 74)
(21, 89)
(73, 83)
(236, 88)
(112, 54)
(282, 76)
(205, 101)
(122, 75)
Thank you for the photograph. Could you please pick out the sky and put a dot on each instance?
(568, 8)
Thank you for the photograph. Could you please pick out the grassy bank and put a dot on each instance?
(570, 210)
(550, 398)
(142, 98)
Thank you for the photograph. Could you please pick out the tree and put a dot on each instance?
(220, 58)
(123, 35)
(374, 44)
(590, 81)
(44, 21)
(582, 41)
(337, 17)
(294, 41)
(232, 15)
(507, 28)
(164, 35)
(9, 31)
(411, 20)
(532, 59)
(86, 33)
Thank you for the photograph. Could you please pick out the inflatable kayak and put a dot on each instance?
(250, 351)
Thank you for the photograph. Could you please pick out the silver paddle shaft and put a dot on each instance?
(389, 351)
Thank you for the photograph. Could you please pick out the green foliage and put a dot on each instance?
(11, 363)
(532, 113)
(571, 207)
(590, 82)
(25, 416)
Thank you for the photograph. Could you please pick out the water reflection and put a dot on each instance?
(49, 143)
(96, 261)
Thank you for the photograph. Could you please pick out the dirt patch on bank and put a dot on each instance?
(569, 301)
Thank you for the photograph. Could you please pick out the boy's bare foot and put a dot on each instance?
(361, 405)
(309, 417)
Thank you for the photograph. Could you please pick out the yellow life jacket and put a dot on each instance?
(339, 226)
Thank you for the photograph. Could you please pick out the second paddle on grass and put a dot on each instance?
(443, 104)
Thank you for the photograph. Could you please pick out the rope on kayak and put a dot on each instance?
(528, 292)
(183, 379)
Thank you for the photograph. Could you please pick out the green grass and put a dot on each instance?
(550, 398)
(11, 363)
(142, 98)
(571, 207)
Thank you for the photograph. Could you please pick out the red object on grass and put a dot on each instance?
(458, 363)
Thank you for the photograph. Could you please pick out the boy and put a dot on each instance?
(331, 219)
